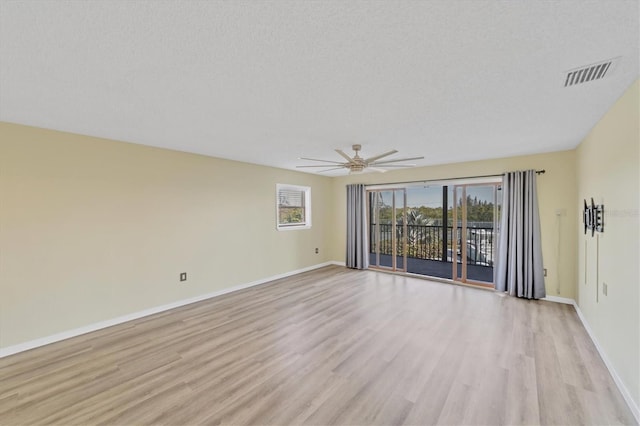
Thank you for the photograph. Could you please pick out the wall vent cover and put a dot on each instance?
(589, 73)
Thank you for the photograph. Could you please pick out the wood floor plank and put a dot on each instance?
(331, 346)
(521, 392)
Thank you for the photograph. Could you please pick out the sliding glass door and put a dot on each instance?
(387, 229)
(438, 229)
(475, 214)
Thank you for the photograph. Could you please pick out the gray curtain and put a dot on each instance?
(519, 268)
(357, 256)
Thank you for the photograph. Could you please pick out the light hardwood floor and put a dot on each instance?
(332, 346)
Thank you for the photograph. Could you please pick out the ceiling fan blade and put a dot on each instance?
(328, 170)
(349, 159)
(315, 159)
(397, 159)
(377, 157)
(393, 165)
(321, 165)
(375, 169)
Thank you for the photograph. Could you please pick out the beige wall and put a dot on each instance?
(92, 229)
(608, 170)
(556, 194)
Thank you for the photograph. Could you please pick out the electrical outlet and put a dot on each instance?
(605, 288)
(317, 251)
(545, 272)
(183, 276)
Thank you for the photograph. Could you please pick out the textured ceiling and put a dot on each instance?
(267, 82)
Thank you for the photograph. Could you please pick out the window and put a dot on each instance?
(293, 207)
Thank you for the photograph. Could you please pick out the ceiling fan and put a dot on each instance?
(357, 164)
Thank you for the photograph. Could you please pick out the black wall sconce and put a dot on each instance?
(593, 217)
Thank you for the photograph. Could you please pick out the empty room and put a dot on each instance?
(319, 212)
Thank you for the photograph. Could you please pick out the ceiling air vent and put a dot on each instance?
(588, 73)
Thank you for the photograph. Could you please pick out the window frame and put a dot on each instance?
(307, 207)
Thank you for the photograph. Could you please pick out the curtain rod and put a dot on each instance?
(538, 172)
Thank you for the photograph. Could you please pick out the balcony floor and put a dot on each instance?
(436, 268)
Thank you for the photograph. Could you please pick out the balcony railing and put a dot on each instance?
(427, 242)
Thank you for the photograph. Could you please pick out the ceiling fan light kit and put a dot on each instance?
(357, 164)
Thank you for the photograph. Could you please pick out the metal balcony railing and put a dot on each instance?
(427, 242)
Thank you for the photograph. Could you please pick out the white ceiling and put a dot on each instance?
(268, 82)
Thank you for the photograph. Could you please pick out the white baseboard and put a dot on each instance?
(558, 299)
(21, 347)
(633, 406)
